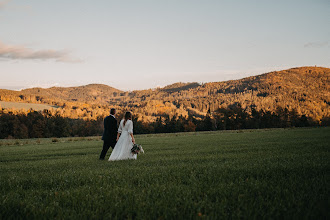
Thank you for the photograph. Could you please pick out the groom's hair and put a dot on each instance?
(113, 111)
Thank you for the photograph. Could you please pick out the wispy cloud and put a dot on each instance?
(17, 52)
(317, 44)
(4, 3)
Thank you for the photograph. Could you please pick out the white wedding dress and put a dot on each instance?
(122, 149)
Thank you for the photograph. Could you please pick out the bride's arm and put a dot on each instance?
(130, 131)
(133, 140)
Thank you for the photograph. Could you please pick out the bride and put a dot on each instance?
(125, 140)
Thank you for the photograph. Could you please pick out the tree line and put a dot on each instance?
(45, 125)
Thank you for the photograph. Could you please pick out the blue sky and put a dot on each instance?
(140, 44)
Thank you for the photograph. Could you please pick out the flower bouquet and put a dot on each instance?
(136, 149)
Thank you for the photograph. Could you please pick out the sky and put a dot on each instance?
(142, 44)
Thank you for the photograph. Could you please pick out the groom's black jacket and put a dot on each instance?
(110, 129)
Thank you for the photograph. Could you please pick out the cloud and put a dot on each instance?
(4, 3)
(316, 44)
(17, 52)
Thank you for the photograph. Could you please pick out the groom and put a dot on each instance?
(110, 133)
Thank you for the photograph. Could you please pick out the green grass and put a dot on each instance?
(274, 173)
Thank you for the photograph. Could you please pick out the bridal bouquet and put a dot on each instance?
(136, 149)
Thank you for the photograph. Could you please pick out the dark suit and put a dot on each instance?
(109, 134)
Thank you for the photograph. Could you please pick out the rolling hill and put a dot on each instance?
(87, 93)
(305, 89)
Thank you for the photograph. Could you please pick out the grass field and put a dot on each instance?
(272, 174)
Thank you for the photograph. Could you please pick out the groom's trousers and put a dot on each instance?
(106, 146)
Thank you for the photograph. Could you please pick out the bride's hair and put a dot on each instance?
(128, 116)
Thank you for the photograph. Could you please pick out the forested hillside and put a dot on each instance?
(305, 90)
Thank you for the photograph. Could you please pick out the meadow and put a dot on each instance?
(250, 174)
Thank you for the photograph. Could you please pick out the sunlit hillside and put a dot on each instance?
(305, 90)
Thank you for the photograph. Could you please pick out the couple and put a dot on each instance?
(120, 139)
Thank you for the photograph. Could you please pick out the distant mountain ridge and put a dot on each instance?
(305, 89)
(86, 93)
(176, 87)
